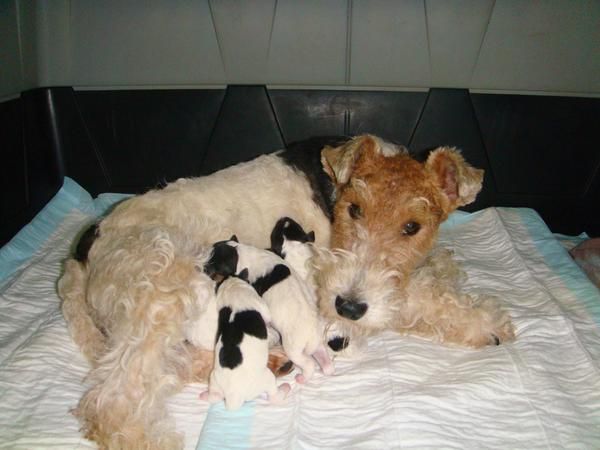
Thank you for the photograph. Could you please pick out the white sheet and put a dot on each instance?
(542, 391)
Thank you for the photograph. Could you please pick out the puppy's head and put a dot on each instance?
(391, 203)
(287, 230)
(223, 260)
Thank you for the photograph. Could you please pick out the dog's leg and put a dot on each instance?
(276, 394)
(279, 394)
(147, 362)
(126, 407)
(304, 362)
(84, 332)
(202, 365)
(324, 361)
(455, 317)
(211, 396)
(436, 307)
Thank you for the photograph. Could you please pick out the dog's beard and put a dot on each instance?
(356, 277)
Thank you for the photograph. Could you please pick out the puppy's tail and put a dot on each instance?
(85, 333)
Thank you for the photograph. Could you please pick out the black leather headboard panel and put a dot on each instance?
(538, 152)
(13, 178)
(31, 165)
(544, 154)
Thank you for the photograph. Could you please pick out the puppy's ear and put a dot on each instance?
(243, 275)
(234, 238)
(459, 181)
(310, 237)
(339, 162)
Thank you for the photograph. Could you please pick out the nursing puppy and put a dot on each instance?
(290, 301)
(291, 242)
(240, 370)
(296, 247)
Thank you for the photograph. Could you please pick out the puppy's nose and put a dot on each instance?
(350, 308)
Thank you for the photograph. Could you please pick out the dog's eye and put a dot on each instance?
(411, 228)
(355, 211)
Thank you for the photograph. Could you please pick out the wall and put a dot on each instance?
(11, 73)
(542, 46)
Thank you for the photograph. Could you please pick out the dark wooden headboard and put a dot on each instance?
(538, 151)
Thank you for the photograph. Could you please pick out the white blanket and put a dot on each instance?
(542, 391)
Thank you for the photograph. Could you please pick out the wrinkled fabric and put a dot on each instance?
(541, 391)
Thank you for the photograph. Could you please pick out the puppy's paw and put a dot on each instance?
(211, 397)
(280, 396)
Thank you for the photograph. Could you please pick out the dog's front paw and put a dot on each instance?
(505, 332)
(497, 326)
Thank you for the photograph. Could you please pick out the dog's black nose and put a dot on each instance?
(350, 308)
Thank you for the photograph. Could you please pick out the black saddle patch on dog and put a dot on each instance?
(232, 333)
(305, 156)
(287, 229)
(86, 241)
(279, 273)
(223, 261)
(338, 343)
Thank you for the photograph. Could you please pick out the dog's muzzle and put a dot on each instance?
(350, 308)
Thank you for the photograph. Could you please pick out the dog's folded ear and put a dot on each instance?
(365, 150)
(339, 162)
(459, 181)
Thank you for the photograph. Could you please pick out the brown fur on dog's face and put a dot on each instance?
(393, 203)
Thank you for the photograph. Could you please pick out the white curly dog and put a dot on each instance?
(137, 279)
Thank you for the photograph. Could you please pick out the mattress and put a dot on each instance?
(541, 391)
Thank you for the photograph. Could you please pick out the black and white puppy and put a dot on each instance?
(290, 301)
(240, 370)
(292, 243)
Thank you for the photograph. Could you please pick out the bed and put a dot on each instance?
(541, 391)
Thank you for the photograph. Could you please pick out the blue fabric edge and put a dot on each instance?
(224, 429)
(33, 235)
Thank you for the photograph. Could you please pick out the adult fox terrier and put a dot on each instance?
(138, 279)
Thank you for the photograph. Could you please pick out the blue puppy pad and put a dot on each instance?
(224, 429)
(30, 238)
